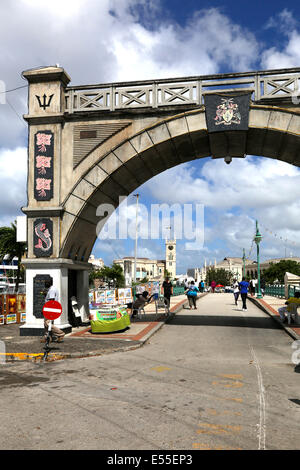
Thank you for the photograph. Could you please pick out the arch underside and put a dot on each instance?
(130, 165)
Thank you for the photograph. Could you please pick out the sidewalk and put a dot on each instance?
(270, 305)
(81, 342)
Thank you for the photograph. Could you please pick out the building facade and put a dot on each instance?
(151, 269)
(171, 258)
(97, 263)
(235, 265)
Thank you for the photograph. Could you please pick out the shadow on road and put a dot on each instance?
(222, 320)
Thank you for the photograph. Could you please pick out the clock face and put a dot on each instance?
(170, 247)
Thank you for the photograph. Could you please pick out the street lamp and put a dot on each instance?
(257, 239)
(244, 261)
(136, 234)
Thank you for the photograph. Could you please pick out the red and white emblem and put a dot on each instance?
(52, 310)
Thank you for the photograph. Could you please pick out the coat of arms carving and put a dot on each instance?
(227, 113)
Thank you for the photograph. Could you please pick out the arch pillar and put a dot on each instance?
(46, 107)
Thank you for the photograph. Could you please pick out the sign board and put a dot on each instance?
(52, 310)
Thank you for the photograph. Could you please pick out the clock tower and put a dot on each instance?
(171, 258)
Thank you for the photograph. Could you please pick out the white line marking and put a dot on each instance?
(262, 405)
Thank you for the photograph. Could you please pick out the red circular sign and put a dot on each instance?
(52, 310)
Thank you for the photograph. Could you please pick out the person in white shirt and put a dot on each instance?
(58, 334)
(52, 294)
(236, 290)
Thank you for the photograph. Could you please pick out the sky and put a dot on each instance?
(99, 41)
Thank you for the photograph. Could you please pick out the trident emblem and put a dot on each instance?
(44, 104)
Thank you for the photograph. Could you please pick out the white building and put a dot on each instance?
(97, 263)
(152, 269)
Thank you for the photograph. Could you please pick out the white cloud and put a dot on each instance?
(249, 182)
(111, 41)
(289, 55)
(13, 171)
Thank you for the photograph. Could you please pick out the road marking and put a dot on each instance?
(218, 429)
(262, 405)
(235, 384)
(238, 400)
(202, 446)
(213, 412)
(160, 368)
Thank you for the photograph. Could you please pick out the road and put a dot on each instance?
(213, 378)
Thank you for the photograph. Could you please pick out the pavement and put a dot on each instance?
(270, 305)
(81, 342)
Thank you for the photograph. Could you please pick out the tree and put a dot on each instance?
(221, 276)
(278, 270)
(115, 272)
(10, 246)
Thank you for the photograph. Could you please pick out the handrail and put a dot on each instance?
(263, 85)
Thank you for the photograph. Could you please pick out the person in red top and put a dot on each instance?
(213, 286)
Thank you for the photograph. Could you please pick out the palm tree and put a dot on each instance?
(10, 246)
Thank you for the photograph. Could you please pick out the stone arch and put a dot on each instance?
(273, 132)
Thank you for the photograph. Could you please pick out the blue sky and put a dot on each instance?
(115, 40)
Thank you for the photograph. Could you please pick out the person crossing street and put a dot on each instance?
(244, 287)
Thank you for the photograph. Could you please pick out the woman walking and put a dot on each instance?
(236, 290)
(191, 293)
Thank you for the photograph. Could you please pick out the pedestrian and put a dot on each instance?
(288, 306)
(186, 283)
(140, 302)
(155, 290)
(262, 286)
(56, 333)
(213, 286)
(236, 290)
(201, 286)
(252, 287)
(191, 293)
(244, 286)
(168, 291)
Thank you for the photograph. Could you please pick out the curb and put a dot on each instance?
(267, 310)
(36, 357)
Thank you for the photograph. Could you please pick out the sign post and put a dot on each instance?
(51, 311)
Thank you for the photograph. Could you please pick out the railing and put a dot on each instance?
(178, 290)
(292, 290)
(276, 290)
(263, 85)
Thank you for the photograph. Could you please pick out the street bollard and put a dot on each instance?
(2, 352)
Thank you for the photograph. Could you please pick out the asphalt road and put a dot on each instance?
(213, 378)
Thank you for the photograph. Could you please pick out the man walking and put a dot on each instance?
(168, 291)
(244, 286)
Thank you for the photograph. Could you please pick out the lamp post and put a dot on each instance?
(136, 234)
(244, 261)
(257, 240)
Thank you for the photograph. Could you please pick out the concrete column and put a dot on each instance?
(83, 294)
(34, 325)
(58, 270)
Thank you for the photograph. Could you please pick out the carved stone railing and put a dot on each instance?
(264, 86)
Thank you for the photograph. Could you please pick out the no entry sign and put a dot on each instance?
(52, 310)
